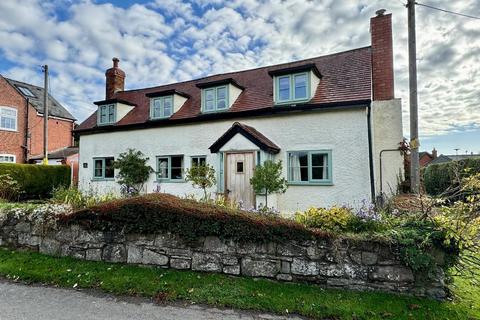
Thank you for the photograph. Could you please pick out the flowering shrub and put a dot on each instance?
(78, 199)
(10, 189)
(333, 219)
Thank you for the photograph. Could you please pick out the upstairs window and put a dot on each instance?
(103, 168)
(215, 99)
(8, 119)
(292, 87)
(106, 114)
(162, 107)
(26, 91)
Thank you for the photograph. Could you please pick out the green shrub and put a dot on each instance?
(134, 171)
(189, 219)
(201, 176)
(78, 199)
(334, 219)
(438, 178)
(9, 188)
(37, 181)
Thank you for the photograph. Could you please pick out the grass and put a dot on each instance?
(6, 206)
(237, 292)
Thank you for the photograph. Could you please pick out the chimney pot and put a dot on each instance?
(380, 12)
(115, 62)
(115, 80)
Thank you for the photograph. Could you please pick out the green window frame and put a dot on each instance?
(291, 87)
(171, 168)
(161, 107)
(103, 168)
(196, 160)
(107, 114)
(309, 167)
(215, 99)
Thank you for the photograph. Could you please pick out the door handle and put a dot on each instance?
(228, 191)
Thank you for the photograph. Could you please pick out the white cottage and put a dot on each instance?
(327, 118)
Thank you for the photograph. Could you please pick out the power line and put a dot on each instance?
(447, 11)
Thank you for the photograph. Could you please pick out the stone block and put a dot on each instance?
(23, 227)
(140, 240)
(49, 246)
(155, 258)
(168, 240)
(284, 277)
(285, 267)
(234, 270)
(206, 262)
(291, 249)
(114, 253)
(179, 252)
(214, 244)
(304, 267)
(229, 260)
(180, 263)
(267, 248)
(369, 258)
(134, 254)
(392, 274)
(331, 270)
(246, 248)
(260, 268)
(93, 254)
(28, 240)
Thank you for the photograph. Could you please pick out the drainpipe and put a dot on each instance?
(370, 153)
(25, 141)
(381, 179)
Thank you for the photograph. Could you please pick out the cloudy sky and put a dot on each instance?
(164, 41)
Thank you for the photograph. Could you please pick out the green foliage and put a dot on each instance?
(201, 176)
(78, 199)
(134, 171)
(438, 178)
(37, 181)
(235, 292)
(334, 219)
(268, 179)
(187, 218)
(9, 188)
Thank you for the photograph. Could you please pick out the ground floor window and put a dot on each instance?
(170, 168)
(199, 161)
(10, 158)
(307, 167)
(103, 168)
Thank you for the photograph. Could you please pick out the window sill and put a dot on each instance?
(105, 124)
(103, 179)
(170, 180)
(215, 111)
(9, 130)
(306, 183)
(291, 102)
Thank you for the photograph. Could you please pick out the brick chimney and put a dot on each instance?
(115, 80)
(434, 153)
(382, 56)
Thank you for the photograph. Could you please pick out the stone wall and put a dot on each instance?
(332, 263)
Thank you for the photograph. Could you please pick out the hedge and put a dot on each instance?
(153, 213)
(37, 181)
(439, 177)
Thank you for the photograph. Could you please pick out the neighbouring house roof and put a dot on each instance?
(345, 81)
(248, 132)
(447, 158)
(62, 153)
(36, 99)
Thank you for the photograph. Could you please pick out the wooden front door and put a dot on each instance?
(239, 169)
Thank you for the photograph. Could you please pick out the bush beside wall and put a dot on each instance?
(37, 181)
(439, 177)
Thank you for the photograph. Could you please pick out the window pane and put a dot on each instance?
(157, 105)
(209, 99)
(98, 171)
(221, 104)
(167, 106)
(196, 161)
(103, 114)
(177, 167)
(109, 171)
(298, 166)
(111, 113)
(284, 88)
(319, 159)
(239, 166)
(301, 86)
(162, 168)
(221, 93)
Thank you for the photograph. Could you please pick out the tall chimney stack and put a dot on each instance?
(434, 153)
(115, 80)
(382, 56)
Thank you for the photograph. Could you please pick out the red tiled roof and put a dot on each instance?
(346, 77)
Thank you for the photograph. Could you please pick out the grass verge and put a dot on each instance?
(237, 292)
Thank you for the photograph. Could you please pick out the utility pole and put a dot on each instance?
(45, 115)
(412, 70)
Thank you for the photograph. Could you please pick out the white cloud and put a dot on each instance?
(165, 41)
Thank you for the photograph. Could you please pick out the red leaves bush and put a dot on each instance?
(189, 219)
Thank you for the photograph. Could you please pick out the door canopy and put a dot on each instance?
(248, 132)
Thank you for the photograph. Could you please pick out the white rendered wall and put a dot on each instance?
(122, 110)
(387, 134)
(344, 132)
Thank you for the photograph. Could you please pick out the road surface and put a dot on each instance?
(22, 302)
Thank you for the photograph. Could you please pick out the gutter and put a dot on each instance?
(370, 153)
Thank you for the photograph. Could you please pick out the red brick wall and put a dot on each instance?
(59, 131)
(11, 142)
(382, 57)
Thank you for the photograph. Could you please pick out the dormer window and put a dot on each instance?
(219, 95)
(162, 107)
(295, 84)
(106, 114)
(215, 99)
(111, 111)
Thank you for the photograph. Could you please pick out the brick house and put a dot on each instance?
(21, 122)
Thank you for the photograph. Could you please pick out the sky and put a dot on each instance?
(165, 41)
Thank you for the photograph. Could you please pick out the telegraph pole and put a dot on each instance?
(412, 70)
(45, 115)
